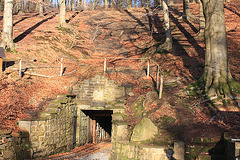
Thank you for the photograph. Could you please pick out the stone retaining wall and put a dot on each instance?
(133, 151)
(14, 145)
(97, 91)
(52, 132)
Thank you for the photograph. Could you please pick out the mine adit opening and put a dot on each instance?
(99, 125)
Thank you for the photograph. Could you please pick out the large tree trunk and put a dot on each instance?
(62, 14)
(168, 41)
(7, 34)
(216, 73)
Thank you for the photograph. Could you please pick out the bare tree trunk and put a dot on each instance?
(142, 3)
(147, 3)
(1, 5)
(7, 34)
(62, 14)
(68, 6)
(200, 33)
(216, 73)
(170, 3)
(109, 3)
(94, 4)
(168, 41)
(73, 5)
(84, 3)
(106, 4)
(40, 8)
(186, 9)
(129, 3)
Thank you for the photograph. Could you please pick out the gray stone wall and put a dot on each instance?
(52, 132)
(134, 151)
(97, 91)
(14, 145)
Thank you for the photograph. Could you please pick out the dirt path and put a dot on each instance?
(99, 151)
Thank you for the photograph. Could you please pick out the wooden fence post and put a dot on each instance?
(1, 64)
(20, 68)
(161, 86)
(61, 72)
(157, 77)
(105, 65)
(148, 69)
(94, 130)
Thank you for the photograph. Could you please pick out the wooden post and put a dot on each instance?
(2, 54)
(157, 77)
(94, 130)
(179, 150)
(88, 129)
(1, 63)
(148, 68)
(61, 72)
(20, 68)
(105, 65)
(161, 87)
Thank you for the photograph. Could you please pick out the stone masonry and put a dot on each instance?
(14, 145)
(52, 132)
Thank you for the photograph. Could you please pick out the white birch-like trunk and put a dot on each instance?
(62, 14)
(7, 34)
(168, 41)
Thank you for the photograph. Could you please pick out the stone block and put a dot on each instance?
(2, 147)
(25, 125)
(144, 130)
(179, 150)
(4, 140)
(8, 154)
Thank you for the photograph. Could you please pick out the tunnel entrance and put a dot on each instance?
(93, 126)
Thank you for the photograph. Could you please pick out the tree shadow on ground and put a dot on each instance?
(175, 11)
(7, 64)
(189, 37)
(73, 16)
(230, 9)
(24, 19)
(29, 30)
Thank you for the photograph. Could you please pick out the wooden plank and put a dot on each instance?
(94, 130)
(1, 63)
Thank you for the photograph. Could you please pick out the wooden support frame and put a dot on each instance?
(94, 130)
(1, 64)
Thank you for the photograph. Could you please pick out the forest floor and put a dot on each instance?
(131, 33)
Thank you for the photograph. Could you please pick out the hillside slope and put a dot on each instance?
(131, 33)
